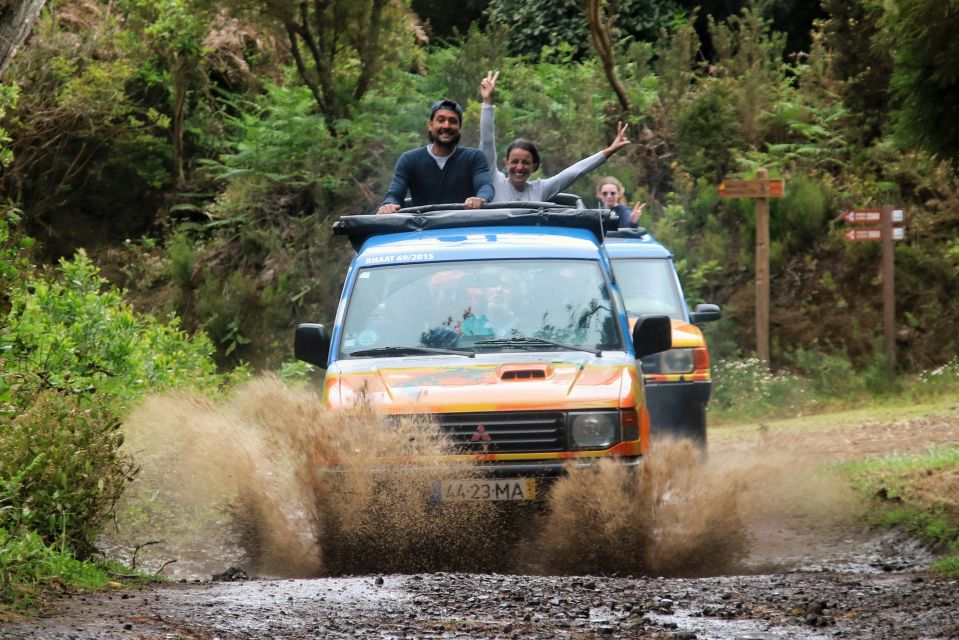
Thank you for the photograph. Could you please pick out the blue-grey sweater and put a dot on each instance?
(464, 175)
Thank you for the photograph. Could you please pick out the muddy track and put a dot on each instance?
(808, 569)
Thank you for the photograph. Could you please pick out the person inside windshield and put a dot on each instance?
(499, 296)
(441, 172)
(611, 194)
(522, 158)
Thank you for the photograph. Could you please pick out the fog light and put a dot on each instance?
(594, 430)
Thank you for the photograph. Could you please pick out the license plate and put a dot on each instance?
(485, 489)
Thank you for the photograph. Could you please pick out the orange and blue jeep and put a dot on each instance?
(678, 380)
(505, 327)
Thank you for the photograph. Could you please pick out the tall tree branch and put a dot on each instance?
(599, 30)
(370, 51)
(16, 23)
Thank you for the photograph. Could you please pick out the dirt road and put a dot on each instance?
(806, 569)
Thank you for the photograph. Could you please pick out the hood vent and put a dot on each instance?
(520, 372)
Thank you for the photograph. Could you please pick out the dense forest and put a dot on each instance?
(199, 149)
(171, 170)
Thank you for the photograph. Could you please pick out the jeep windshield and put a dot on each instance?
(648, 286)
(480, 306)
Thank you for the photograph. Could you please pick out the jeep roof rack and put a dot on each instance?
(358, 228)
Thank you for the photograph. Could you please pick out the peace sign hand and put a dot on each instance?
(619, 141)
(487, 86)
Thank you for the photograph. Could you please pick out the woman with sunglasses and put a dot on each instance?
(610, 193)
(522, 158)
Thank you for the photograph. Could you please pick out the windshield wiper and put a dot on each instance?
(524, 343)
(406, 351)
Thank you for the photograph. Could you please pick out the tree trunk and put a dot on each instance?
(16, 23)
(599, 30)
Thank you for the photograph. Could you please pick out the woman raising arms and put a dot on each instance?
(522, 158)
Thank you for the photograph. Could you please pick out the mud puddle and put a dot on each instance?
(240, 483)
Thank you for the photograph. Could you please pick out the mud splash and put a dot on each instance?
(241, 483)
(685, 515)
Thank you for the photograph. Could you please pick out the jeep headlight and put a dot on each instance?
(594, 430)
(677, 361)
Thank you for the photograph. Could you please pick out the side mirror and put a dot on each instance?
(311, 343)
(705, 313)
(652, 334)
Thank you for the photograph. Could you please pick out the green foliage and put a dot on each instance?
(48, 488)
(182, 260)
(709, 133)
(294, 371)
(827, 374)
(801, 217)
(749, 56)
(280, 139)
(77, 334)
(538, 24)
(860, 65)
(925, 77)
(8, 100)
(80, 140)
(12, 263)
(27, 564)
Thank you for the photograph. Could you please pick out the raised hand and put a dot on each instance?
(636, 212)
(619, 141)
(487, 86)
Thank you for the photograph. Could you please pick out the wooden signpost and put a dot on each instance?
(887, 234)
(761, 190)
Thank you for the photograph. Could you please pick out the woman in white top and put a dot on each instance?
(522, 158)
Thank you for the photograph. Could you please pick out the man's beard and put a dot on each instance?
(446, 145)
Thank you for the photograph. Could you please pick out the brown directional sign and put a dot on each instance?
(858, 216)
(752, 188)
(865, 234)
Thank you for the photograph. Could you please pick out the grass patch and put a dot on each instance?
(917, 492)
(746, 391)
(30, 570)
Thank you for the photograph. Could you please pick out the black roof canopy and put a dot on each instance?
(358, 228)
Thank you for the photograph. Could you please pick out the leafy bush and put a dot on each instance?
(77, 335)
(535, 24)
(828, 374)
(61, 469)
(710, 133)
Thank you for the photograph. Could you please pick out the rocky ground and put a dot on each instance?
(804, 576)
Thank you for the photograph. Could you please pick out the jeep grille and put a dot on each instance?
(514, 432)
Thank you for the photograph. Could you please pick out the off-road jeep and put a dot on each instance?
(678, 380)
(502, 324)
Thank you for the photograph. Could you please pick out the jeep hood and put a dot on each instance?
(488, 382)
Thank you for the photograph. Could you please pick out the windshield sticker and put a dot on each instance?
(400, 257)
(366, 338)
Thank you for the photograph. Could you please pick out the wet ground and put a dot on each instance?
(876, 602)
(801, 566)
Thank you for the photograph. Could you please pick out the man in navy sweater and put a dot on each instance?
(441, 172)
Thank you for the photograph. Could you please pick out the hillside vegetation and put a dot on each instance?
(199, 156)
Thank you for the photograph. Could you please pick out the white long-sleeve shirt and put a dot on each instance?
(541, 189)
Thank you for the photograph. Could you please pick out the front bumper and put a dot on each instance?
(678, 409)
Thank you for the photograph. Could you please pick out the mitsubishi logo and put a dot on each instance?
(480, 434)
